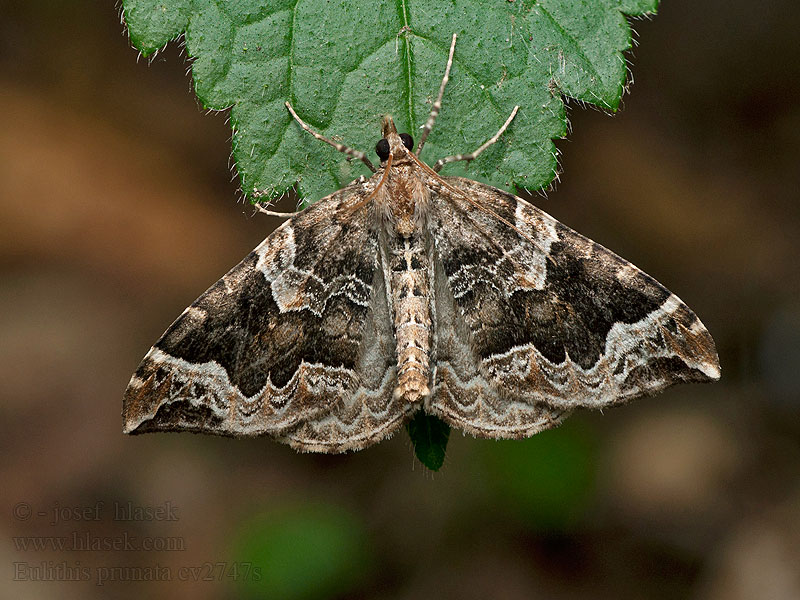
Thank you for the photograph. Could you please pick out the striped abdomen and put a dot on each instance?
(410, 289)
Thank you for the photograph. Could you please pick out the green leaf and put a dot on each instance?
(301, 552)
(429, 436)
(344, 63)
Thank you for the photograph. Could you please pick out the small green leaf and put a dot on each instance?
(345, 63)
(429, 436)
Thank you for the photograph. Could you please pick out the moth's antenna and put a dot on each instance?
(473, 155)
(437, 106)
(340, 147)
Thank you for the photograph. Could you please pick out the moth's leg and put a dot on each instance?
(473, 155)
(260, 207)
(437, 106)
(340, 147)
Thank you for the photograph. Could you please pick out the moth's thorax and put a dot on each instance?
(406, 197)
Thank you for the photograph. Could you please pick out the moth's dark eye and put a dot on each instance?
(408, 141)
(382, 149)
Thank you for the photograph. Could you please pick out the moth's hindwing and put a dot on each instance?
(295, 342)
(544, 320)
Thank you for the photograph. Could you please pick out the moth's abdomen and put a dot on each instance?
(410, 287)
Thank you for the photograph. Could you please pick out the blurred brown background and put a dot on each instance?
(118, 209)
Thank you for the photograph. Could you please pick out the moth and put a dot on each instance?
(411, 291)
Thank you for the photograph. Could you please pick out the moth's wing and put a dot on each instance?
(552, 319)
(465, 394)
(294, 342)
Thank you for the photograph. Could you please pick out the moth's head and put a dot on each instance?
(398, 145)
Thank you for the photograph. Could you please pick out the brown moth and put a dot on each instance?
(415, 291)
